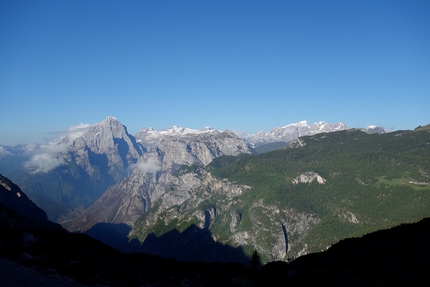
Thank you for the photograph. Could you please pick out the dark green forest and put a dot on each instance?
(383, 179)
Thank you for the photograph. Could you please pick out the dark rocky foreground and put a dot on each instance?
(46, 257)
(37, 252)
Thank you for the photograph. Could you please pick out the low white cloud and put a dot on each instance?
(72, 133)
(31, 148)
(77, 131)
(44, 158)
(42, 163)
(3, 151)
(148, 166)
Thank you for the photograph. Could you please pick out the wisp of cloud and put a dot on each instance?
(149, 166)
(45, 158)
(43, 163)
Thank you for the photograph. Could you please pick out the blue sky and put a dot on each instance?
(238, 65)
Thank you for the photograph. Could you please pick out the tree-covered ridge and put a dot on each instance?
(371, 182)
(423, 128)
(343, 153)
(270, 147)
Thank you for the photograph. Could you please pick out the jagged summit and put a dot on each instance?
(373, 129)
(303, 123)
(150, 137)
(291, 132)
(111, 118)
(112, 123)
(322, 126)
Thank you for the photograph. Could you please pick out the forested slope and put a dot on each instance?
(367, 182)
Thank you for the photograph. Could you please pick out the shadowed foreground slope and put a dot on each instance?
(392, 257)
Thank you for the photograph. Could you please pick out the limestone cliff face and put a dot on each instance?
(152, 174)
(196, 197)
(108, 145)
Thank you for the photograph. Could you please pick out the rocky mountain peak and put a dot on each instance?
(110, 139)
(321, 127)
(113, 125)
(150, 138)
(373, 129)
(104, 136)
(303, 123)
(291, 132)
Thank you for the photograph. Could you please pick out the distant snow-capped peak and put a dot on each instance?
(150, 137)
(374, 129)
(175, 130)
(298, 124)
(291, 132)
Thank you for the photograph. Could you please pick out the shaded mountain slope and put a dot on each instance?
(393, 257)
(18, 211)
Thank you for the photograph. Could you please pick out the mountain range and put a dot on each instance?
(290, 202)
(182, 186)
(66, 176)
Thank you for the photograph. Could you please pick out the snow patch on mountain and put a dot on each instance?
(373, 129)
(150, 137)
(291, 132)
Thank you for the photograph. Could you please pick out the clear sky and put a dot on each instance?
(238, 65)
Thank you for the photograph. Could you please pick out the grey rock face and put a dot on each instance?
(374, 130)
(151, 176)
(323, 127)
(150, 138)
(107, 142)
(292, 132)
(308, 177)
(273, 230)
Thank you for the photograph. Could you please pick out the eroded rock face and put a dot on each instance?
(219, 206)
(308, 177)
(152, 174)
(106, 144)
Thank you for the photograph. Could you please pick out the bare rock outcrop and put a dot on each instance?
(308, 177)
